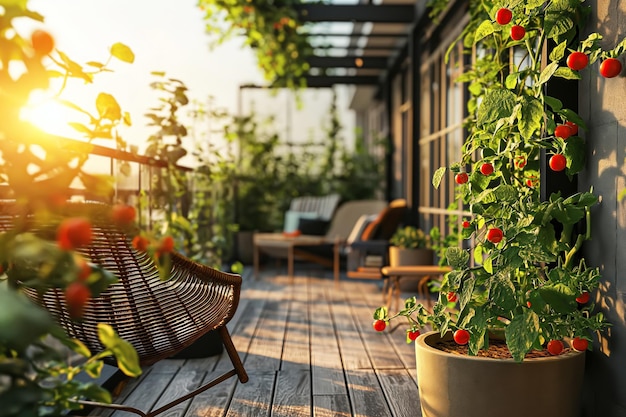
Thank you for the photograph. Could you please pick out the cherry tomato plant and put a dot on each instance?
(524, 276)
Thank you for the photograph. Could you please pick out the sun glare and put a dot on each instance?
(48, 114)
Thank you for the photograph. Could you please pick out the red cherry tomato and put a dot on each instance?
(494, 235)
(563, 131)
(583, 298)
(140, 243)
(84, 269)
(413, 334)
(572, 126)
(555, 347)
(123, 215)
(76, 296)
(486, 168)
(558, 162)
(73, 233)
(461, 337)
(580, 344)
(42, 41)
(379, 325)
(504, 16)
(461, 178)
(517, 32)
(610, 67)
(577, 61)
(466, 224)
(452, 297)
(167, 244)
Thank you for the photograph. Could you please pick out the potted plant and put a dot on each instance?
(516, 308)
(410, 246)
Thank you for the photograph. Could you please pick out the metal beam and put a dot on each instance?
(383, 13)
(352, 61)
(356, 35)
(320, 81)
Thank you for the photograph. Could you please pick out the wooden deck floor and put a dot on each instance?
(309, 349)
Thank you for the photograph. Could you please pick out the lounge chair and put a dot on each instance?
(159, 318)
(312, 248)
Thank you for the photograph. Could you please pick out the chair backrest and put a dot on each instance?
(387, 221)
(324, 206)
(349, 213)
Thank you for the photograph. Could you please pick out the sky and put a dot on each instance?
(168, 36)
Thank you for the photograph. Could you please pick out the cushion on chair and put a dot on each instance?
(292, 219)
(315, 227)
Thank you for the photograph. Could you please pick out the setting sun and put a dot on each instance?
(48, 114)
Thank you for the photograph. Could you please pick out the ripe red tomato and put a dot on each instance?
(452, 297)
(555, 347)
(530, 183)
(379, 325)
(572, 126)
(76, 296)
(610, 67)
(563, 131)
(73, 233)
(140, 243)
(466, 224)
(577, 61)
(517, 32)
(583, 298)
(494, 235)
(580, 344)
(461, 337)
(42, 41)
(412, 334)
(520, 161)
(486, 168)
(167, 244)
(461, 178)
(123, 215)
(558, 162)
(504, 16)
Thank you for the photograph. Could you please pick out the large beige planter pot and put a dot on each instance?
(452, 385)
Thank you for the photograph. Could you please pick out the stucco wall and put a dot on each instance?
(602, 103)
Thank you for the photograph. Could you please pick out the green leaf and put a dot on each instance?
(485, 29)
(94, 369)
(502, 291)
(123, 53)
(488, 265)
(108, 108)
(33, 321)
(575, 154)
(457, 257)
(521, 333)
(554, 103)
(96, 393)
(531, 116)
(127, 358)
(496, 105)
(567, 73)
(558, 52)
(81, 128)
(547, 72)
(511, 81)
(559, 296)
(466, 292)
(438, 176)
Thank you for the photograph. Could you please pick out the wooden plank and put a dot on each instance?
(293, 394)
(146, 394)
(120, 393)
(296, 351)
(215, 401)
(327, 369)
(253, 399)
(182, 383)
(376, 344)
(331, 406)
(401, 391)
(267, 344)
(366, 394)
(353, 354)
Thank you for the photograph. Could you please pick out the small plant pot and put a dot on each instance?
(454, 385)
(400, 256)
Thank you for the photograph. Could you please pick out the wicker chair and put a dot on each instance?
(159, 318)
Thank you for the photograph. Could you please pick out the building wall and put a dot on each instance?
(602, 105)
